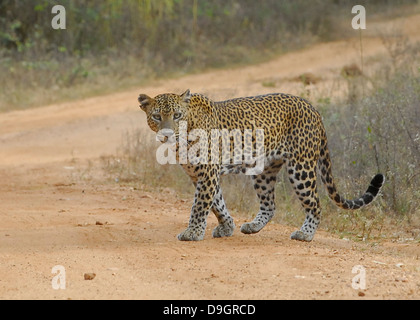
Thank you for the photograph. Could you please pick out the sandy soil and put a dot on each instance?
(56, 207)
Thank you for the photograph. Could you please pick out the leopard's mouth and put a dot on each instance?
(164, 135)
(162, 138)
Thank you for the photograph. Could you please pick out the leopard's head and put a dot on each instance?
(165, 111)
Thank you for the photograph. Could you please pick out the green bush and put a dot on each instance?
(134, 40)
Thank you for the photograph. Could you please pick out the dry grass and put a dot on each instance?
(135, 164)
(307, 78)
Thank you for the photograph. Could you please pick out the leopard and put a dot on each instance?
(294, 137)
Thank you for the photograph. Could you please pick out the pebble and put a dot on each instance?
(89, 276)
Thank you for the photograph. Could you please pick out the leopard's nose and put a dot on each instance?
(167, 132)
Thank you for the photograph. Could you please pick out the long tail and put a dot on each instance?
(324, 165)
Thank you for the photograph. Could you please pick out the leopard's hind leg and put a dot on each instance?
(303, 178)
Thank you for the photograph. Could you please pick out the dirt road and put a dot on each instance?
(57, 209)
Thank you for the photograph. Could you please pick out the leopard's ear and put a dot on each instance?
(145, 101)
(186, 96)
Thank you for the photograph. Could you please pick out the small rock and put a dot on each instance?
(85, 224)
(89, 276)
(401, 279)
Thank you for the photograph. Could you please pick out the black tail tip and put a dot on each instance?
(374, 187)
(378, 181)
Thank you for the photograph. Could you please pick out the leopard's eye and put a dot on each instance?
(177, 115)
(157, 117)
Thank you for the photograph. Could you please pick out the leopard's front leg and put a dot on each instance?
(208, 179)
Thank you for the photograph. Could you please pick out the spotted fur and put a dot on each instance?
(294, 137)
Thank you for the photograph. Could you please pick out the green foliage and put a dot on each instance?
(142, 39)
